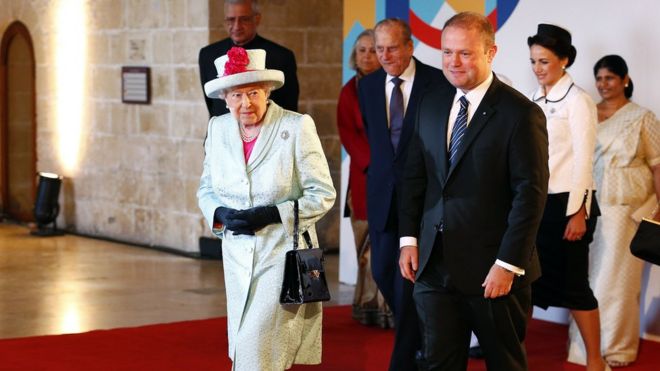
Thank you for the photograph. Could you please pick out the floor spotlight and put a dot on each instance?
(46, 204)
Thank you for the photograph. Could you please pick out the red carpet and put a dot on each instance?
(202, 345)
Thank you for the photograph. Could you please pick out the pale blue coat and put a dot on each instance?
(287, 163)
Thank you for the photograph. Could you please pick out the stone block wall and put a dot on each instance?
(137, 167)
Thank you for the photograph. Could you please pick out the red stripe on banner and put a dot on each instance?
(426, 33)
(492, 17)
(432, 36)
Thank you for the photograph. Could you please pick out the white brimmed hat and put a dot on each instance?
(242, 67)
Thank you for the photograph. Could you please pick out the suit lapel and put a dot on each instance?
(419, 85)
(381, 103)
(444, 107)
(477, 122)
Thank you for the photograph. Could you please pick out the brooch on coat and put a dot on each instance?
(285, 134)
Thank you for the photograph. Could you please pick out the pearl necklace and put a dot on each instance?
(247, 138)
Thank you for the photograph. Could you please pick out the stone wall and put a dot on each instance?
(137, 167)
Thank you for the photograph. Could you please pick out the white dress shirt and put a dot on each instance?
(474, 97)
(408, 77)
(572, 121)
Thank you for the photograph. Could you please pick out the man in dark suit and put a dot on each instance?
(242, 18)
(388, 100)
(473, 194)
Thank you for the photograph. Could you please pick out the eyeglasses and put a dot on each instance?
(244, 19)
(236, 97)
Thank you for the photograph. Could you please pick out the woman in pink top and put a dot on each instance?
(260, 158)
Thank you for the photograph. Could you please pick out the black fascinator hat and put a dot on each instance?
(555, 38)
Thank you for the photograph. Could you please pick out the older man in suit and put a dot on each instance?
(388, 100)
(242, 18)
(473, 196)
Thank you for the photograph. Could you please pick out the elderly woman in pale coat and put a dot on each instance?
(259, 159)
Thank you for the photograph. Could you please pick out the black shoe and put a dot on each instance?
(476, 352)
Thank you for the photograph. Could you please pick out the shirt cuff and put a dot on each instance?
(407, 241)
(512, 268)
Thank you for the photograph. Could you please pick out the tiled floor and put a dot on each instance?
(70, 284)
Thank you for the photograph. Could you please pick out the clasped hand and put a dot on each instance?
(249, 220)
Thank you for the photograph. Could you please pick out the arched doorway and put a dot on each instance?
(18, 157)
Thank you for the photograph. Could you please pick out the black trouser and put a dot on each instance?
(397, 292)
(448, 317)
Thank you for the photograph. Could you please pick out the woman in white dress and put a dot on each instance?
(627, 175)
(259, 159)
(570, 214)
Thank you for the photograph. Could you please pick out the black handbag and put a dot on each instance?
(646, 243)
(304, 275)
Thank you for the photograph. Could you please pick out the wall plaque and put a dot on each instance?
(136, 85)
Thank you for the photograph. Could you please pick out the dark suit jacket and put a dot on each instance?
(489, 204)
(277, 57)
(386, 167)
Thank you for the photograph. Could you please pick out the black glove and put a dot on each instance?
(222, 215)
(253, 219)
(245, 231)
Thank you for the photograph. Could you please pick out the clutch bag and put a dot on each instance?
(646, 242)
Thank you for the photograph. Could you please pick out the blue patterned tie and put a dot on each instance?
(396, 112)
(460, 125)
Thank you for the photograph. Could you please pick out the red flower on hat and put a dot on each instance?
(237, 61)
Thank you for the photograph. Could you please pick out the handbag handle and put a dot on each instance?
(296, 222)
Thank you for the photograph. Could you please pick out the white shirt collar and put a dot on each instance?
(557, 92)
(475, 95)
(407, 74)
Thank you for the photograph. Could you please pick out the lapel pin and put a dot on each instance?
(285, 135)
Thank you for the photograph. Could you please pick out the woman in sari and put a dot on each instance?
(627, 176)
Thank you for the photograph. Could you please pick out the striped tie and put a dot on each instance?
(460, 125)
